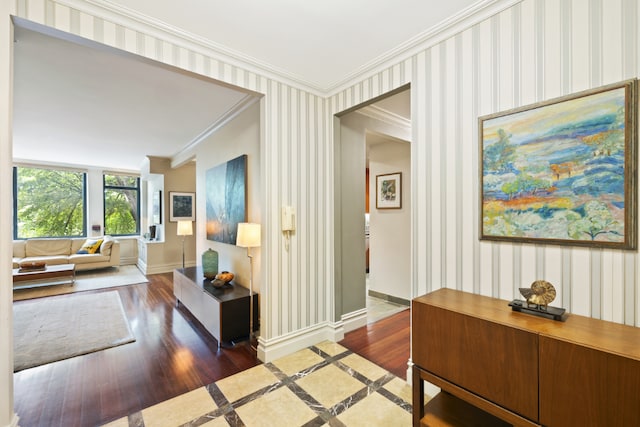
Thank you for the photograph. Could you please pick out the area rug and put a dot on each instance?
(50, 329)
(86, 281)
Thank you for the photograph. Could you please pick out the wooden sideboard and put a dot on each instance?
(224, 312)
(522, 369)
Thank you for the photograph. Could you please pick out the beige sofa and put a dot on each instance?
(56, 251)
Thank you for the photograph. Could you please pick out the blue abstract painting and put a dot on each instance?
(226, 186)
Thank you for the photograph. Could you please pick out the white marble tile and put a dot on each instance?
(278, 408)
(375, 410)
(330, 385)
(297, 361)
(180, 409)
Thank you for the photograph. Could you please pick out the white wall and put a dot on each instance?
(241, 136)
(390, 229)
(7, 416)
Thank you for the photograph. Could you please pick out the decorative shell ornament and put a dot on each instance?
(541, 293)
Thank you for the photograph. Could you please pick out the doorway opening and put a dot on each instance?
(373, 209)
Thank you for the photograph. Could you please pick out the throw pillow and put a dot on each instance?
(105, 248)
(90, 246)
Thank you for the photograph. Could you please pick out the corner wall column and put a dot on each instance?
(7, 416)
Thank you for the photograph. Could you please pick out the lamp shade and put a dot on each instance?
(185, 228)
(248, 235)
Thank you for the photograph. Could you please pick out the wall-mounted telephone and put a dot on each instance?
(288, 218)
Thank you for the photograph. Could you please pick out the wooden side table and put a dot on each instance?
(224, 312)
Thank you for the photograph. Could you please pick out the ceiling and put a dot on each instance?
(65, 88)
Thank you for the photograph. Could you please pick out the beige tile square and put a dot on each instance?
(331, 348)
(246, 382)
(278, 408)
(330, 385)
(217, 422)
(364, 367)
(375, 410)
(298, 361)
(122, 422)
(180, 409)
(400, 388)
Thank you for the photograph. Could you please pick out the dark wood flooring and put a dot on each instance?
(172, 355)
(385, 342)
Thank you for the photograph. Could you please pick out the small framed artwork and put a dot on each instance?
(389, 191)
(181, 206)
(157, 207)
(562, 171)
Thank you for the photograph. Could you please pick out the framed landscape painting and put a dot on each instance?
(562, 171)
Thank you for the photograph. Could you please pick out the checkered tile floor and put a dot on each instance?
(323, 385)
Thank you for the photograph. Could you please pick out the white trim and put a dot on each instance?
(131, 19)
(354, 320)
(457, 23)
(156, 269)
(380, 114)
(187, 153)
(136, 21)
(275, 348)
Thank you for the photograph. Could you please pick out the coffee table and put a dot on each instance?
(61, 274)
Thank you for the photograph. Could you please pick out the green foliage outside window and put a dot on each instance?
(121, 204)
(49, 203)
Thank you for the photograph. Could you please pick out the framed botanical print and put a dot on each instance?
(389, 191)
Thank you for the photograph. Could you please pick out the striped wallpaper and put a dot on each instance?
(534, 50)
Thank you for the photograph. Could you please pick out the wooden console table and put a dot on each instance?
(224, 312)
(525, 370)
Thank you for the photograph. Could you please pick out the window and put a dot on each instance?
(121, 205)
(48, 202)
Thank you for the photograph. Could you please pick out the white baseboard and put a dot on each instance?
(157, 269)
(354, 320)
(128, 260)
(275, 348)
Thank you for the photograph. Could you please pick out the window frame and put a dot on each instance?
(106, 187)
(54, 168)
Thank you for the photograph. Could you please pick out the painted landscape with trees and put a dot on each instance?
(556, 171)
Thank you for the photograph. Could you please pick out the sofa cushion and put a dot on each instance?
(107, 243)
(44, 247)
(90, 246)
(76, 244)
(87, 258)
(49, 260)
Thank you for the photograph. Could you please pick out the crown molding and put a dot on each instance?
(455, 24)
(186, 153)
(380, 114)
(129, 18)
